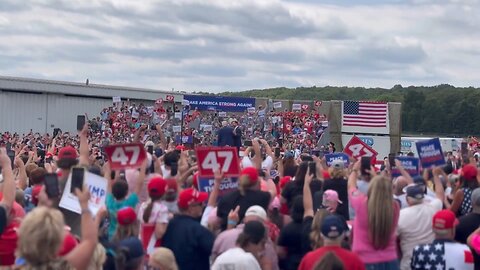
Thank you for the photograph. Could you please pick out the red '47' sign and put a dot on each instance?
(212, 158)
(170, 98)
(356, 148)
(122, 156)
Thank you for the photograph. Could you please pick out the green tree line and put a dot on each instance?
(442, 109)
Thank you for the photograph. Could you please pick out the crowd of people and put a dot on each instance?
(288, 211)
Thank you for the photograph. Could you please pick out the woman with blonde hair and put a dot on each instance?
(128, 225)
(41, 236)
(162, 258)
(376, 220)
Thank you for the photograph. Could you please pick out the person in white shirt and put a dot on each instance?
(250, 243)
(415, 221)
(267, 158)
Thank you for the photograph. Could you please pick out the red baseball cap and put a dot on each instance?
(126, 216)
(326, 175)
(67, 152)
(251, 173)
(469, 172)
(443, 220)
(180, 147)
(284, 181)
(157, 186)
(35, 193)
(171, 186)
(189, 196)
(69, 243)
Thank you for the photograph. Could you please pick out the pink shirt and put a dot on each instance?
(362, 245)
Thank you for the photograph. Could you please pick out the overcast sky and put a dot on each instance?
(220, 45)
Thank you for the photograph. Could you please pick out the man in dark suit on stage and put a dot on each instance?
(225, 135)
(237, 134)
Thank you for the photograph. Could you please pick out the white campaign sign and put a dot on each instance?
(135, 114)
(116, 99)
(177, 128)
(277, 105)
(178, 115)
(222, 114)
(98, 192)
(207, 127)
(296, 107)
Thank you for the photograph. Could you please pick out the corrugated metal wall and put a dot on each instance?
(62, 110)
(20, 112)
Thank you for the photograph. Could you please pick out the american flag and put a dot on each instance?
(442, 255)
(364, 114)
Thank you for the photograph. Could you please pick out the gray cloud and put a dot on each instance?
(232, 45)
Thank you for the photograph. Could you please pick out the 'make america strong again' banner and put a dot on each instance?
(224, 104)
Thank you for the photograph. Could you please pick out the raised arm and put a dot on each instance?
(352, 179)
(439, 190)
(307, 195)
(268, 149)
(257, 159)
(22, 174)
(138, 133)
(81, 255)
(84, 151)
(163, 141)
(8, 189)
(404, 173)
(141, 177)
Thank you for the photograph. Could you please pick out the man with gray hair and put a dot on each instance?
(469, 223)
(443, 252)
(225, 135)
(415, 221)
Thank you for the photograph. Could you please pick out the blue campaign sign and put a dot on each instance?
(227, 185)
(218, 103)
(410, 164)
(430, 153)
(331, 157)
(183, 139)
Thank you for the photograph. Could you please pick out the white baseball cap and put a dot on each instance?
(257, 211)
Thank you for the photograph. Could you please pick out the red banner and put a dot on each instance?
(212, 158)
(122, 156)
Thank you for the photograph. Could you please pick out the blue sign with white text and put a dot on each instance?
(332, 157)
(228, 185)
(410, 164)
(430, 153)
(224, 104)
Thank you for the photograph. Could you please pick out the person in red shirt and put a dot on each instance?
(333, 231)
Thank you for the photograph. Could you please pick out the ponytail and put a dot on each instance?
(329, 261)
(148, 212)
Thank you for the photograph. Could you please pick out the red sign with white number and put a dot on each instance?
(356, 148)
(170, 98)
(211, 158)
(123, 156)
